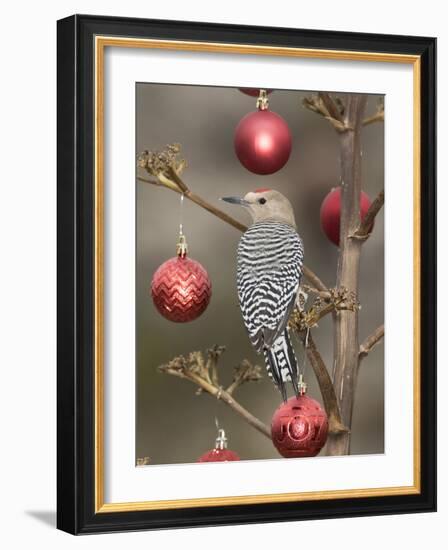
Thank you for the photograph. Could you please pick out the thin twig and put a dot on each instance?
(321, 293)
(370, 342)
(215, 211)
(331, 106)
(335, 424)
(165, 182)
(204, 375)
(377, 117)
(323, 104)
(249, 417)
(365, 227)
(244, 372)
(313, 279)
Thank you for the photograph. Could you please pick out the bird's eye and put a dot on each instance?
(262, 200)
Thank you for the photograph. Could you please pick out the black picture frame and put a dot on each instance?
(76, 216)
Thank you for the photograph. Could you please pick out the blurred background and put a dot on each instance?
(174, 425)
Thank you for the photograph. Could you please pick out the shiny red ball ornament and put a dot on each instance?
(181, 288)
(330, 213)
(263, 142)
(253, 92)
(299, 427)
(220, 453)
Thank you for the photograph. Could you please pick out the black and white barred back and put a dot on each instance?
(270, 259)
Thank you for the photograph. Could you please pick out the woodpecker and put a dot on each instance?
(270, 260)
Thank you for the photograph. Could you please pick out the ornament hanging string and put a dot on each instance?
(217, 424)
(181, 215)
(303, 363)
(305, 356)
(182, 247)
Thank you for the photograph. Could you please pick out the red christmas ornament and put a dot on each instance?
(220, 453)
(181, 288)
(263, 142)
(253, 92)
(330, 213)
(299, 427)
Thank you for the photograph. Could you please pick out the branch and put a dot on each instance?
(197, 200)
(370, 342)
(166, 167)
(346, 344)
(334, 299)
(313, 279)
(244, 372)
(332, 110)
(321, 293)
(335, 424)
(377, 117)
(203, 373)
(365, 227)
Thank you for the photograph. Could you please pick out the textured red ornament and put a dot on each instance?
(181, 289)
(218, 455)
(263, 142)
(330, 213)
(253, 92)
(299, 427)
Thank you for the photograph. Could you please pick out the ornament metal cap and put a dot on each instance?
(302, 385)
(221, 440)
(263, 101)
(182, 247)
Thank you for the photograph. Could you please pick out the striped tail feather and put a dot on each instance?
(281, 363)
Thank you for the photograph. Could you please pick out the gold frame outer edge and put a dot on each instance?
(101, 42)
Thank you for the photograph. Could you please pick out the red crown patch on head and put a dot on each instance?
(261, 190)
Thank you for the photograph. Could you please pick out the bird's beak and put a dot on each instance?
(235, 200)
